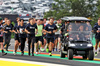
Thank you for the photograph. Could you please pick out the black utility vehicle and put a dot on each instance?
(77, 39)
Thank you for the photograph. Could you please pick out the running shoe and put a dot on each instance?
(22, 54)
(36, 53)
(39, 51)
(56, 49)
(96, 53)
(33, 54)
(59, 50)
(4, 53)
(7, 50)
(14, 53)
(42, 49)
(50, 54)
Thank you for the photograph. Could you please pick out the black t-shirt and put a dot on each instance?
(49, 27)
(95, 28)
(22, 34)
(7, 28)
(31, 29)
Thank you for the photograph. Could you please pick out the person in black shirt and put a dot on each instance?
(7, 32)
(50, 29)
(4, 23)
(30, 30)
(96, 30)
(17, 41)
(1, 37)
(22, 35)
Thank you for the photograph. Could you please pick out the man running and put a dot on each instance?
(58, 35)
(22, 35)
(1, 37)
(30, 30)
(96, 30)
(44, 35)
(4, 23)
(50, 29)
(39, 37)
(7, 32)
(17, 41)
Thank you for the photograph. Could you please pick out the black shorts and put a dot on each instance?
(1, 39)
(97, 41)
(50, 40)
(17, 37)
(40, 38)
(57, 36)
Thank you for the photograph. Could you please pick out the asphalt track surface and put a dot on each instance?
(55, 59)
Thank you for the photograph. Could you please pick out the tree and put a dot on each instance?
(85, 8)
(98, 8)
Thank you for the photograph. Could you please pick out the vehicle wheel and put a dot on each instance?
(70, 54)
(91, 55)
(85, 57)
(62, 55)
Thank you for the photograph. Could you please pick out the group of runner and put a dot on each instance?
(37, 32)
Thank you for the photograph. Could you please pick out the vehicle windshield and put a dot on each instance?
(79, 31)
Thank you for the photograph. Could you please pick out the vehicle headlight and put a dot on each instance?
(72, 45)
(89, 45)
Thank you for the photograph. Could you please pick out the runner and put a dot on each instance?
(7, 32)
(1, 37)
(50, 29)
(96, 30)
(64, 29)
(22, 35)
(30, 30)
(44, 36)
(4, 23)
(27, 34)
(39, 37)
(17, 41)
(58, 35)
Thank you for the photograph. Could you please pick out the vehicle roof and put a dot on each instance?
(75, 18)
